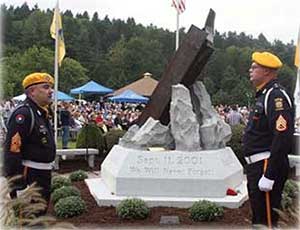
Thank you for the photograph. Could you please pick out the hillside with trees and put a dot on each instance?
(115, 53)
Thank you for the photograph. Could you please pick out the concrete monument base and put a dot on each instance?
(104, 197)
(169, 177)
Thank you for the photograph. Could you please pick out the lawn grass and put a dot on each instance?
(71, 144)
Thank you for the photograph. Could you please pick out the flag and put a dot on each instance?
(297, 54)
(57, 24)
(297, 87)
(179, 5)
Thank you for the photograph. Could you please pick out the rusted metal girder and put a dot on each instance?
(184, 67)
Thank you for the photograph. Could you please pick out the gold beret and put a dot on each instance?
(37, 78)
(266, 59)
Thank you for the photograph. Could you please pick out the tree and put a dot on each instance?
(72, 74)
(287, 78)
(36, 30)
(36, 59)
(129, 60)
(22, 12)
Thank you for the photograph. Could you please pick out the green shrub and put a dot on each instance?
(236, 142)
(205, 211)
(63, 192)
(289, 195)
(291, 189)
(286, 201)
(59, 181)
(78, 175)
(90, 136)
(69, 206)
(132, 209)
(112, 138)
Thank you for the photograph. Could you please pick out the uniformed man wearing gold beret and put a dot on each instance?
(268, 139)
(29, 148)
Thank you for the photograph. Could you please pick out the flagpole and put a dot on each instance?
(297, 97)
(297, 102)
(56, 70)
(177, 30)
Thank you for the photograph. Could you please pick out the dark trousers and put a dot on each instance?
(42, 179)
(257, 198)
(65, 136)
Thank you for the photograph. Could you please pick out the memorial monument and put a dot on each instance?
(177, 152)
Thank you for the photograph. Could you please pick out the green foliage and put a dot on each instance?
(112, 138)
(137, 54)
(59, 181)
(205, 211)
(132, 209)
(286, 201)
(290, 194)
(63, 192)
(289, 203)
(236, 142)
(78, 175)
(90, 136)
(72, 74)
(69, 207)
(291, 188)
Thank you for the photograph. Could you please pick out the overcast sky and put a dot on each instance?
(276, 19)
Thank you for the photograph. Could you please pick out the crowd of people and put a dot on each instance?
(110, 115)
(233, 114)
(106, 115)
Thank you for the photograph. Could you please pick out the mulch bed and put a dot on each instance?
(96, 216)
(104, 216)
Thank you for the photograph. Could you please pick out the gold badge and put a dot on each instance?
(47, 78)
(15, 145)
(44, 140)
(278, 104)
(281, 124)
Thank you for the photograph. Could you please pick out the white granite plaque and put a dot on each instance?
(206, 173)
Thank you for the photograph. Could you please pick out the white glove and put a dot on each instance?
(21, 192)
(265, 184)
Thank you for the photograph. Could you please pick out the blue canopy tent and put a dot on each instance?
(61, 96)
(91, 88)
(129, 96)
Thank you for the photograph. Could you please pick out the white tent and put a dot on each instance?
(21, 97)
(61, 97)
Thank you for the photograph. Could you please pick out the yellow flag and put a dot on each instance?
(297, 54)
(57, 23)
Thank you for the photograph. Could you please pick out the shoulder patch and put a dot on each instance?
(20, 119)
(15, 145)
(281, 124)
(278, 103)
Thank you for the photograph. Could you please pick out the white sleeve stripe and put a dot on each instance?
(287, 97)
(266, 100)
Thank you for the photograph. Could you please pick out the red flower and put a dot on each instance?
(231, 192)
